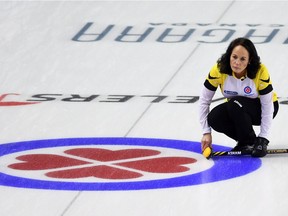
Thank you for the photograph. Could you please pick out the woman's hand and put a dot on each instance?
(206, 141)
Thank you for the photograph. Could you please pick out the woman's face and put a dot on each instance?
(239, 60)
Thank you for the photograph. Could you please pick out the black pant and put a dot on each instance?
(236, 117)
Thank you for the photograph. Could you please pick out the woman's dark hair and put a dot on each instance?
(254, 60)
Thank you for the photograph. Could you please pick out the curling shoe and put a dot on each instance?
(260, 147)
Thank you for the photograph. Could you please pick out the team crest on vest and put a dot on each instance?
(247, 90)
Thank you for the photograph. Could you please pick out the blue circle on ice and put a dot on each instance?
(224, 168)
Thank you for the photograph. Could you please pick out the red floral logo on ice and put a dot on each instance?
(102, 163)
